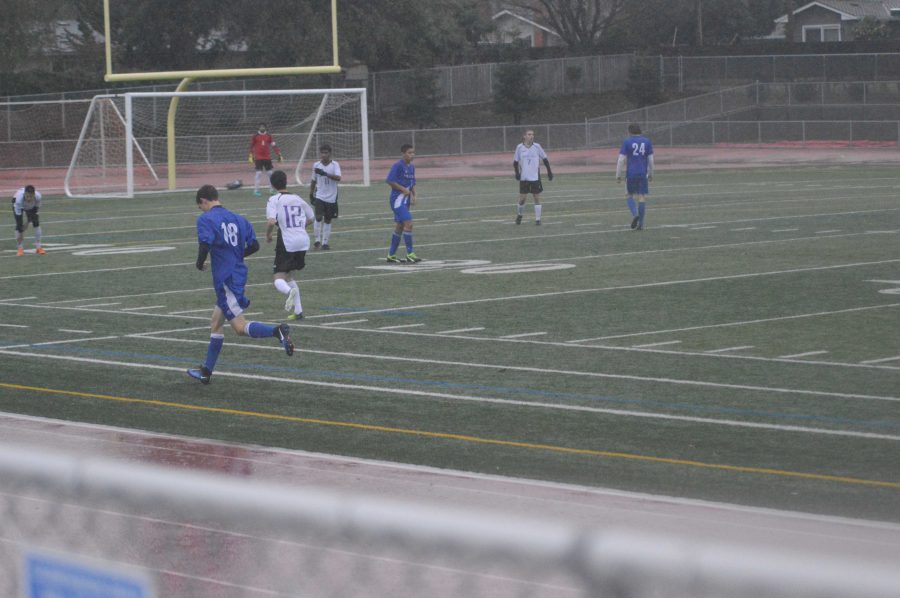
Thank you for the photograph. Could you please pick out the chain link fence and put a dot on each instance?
(191, 534)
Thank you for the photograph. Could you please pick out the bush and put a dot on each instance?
(643, 86)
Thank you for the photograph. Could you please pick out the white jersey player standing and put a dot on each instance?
(323, 194)
(292, 215)
(527, 166)
(26, 202)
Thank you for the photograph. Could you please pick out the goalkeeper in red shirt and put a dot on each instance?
(261, 146)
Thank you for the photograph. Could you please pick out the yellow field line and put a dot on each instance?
(466, 438)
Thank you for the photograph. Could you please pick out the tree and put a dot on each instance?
(422, 97)
(511, 90)
(581, 24)
(643, 86)
(871, 29)
(26, 30)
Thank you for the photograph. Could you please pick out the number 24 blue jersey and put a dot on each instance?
(637, 149)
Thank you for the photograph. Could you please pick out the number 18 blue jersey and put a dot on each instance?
(227, 235)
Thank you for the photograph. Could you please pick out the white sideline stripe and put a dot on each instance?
(141, 308)
(741, 323)
(13, 326)
(153, 332)
(825, 232)
(344, 322)
(76, 331)
(523, 335)
(494, 366)
(458, 330)
(191, 311)
(18, 299)
(881, 360)
(726, 349)
(648, 345)
(71, 340)
(477, 399)
(701, 227)
(595, 490)
(807, 354)
(92, 305)
(400, 326)
(745, 228)
(784, 230)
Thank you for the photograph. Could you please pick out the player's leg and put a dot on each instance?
(216, 340)
(257, 177)
(319, 210)
(297, 306)
(282, 283)
(330, 211)
(632, 187)
(408, 241)
(643, 191)
(35, 220)
(520, 206)
(232, 302)
(401, 214)
(20, 233)
(537, 207)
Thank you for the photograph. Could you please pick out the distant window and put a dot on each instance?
(821, 33)
(895, 13)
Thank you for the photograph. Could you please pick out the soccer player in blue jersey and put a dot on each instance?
(228, 238)
(637, 153)
(402, 180)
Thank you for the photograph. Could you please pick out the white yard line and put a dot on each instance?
(399, 326)
(93, 305)
(76, 331)
(67, 341)
(19, 299)
(745, 228)
(524, 335)
(458, 330)
(141, 308)
(784, 230)
(883, 360)
(738, 323)
(661, 344)
(191, 311)
(826, 232)
(344, 322)
(13, 326)
(392, 390)
(727, 349)
(807, 354)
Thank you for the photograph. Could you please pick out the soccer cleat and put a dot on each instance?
(634, 221)
(519, 219)
(537, 222)
(202, 374)
(20, 252)
(326, 246)
(296, 316)
(413, 258)
(393, 259)
(292, 296)
(283, 334)
(317, 245)
(40, 251)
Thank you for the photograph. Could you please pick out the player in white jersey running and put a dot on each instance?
(26, 202)
(323, 194)
(292, 215)
(527, 166)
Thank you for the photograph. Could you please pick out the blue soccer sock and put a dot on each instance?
(259, 330)
(395, 243)
(407, 239)
(641, 210)
(212, 352)
(632, 206)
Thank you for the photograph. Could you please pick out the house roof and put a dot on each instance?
(509, 13)
(851, 10)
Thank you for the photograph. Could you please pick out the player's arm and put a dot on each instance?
(650, 166)
(547, 166)
(619, 165)
(251, 248)
(202, 254)
(277, 151)
(309, 213)
(412, 195)
(516, 169)
(270, 227)
(312, 189)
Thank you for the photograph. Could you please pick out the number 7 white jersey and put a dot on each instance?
(292, 214)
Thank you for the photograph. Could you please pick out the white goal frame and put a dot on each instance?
(131, 144)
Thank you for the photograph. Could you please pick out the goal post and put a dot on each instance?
(124, 144)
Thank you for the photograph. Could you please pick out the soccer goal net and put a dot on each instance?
(159, 141)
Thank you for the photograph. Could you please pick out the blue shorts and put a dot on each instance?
(230, 298)
(401, 214)
(637, 184)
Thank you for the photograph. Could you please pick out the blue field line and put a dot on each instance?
(504, 390)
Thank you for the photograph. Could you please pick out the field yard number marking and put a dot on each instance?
(894, 291)
(516, 268)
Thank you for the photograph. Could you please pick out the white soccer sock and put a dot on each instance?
(20, 237)
(520, 209)
(326, 233)
(537, 211)
(317, 229)
(37, 236)
(298, 308)
(269, 179)
(256, 180)
(282, 286)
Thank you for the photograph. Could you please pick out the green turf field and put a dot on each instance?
(744, 348)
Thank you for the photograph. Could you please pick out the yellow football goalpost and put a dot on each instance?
(188, 76)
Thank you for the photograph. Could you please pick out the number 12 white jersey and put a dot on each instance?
(292, 214)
